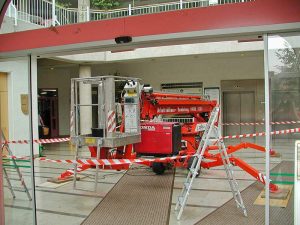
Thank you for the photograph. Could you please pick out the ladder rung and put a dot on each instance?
(186, 185)
(19, 189)
(14, 179)
(180, 200)
(192, 170)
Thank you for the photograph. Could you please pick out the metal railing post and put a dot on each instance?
(53, 13)
(16, 15)
(87, 13)
(129, 9)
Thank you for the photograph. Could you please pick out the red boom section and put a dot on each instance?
(154, 104)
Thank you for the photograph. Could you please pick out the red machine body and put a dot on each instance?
(159, 138)
(168, 104)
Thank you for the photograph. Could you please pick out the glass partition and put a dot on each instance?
(17, 164)
(284, 106)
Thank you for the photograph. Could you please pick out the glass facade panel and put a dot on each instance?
(17, 166)
(284, 78)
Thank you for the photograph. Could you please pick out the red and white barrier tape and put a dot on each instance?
(16, 157)
(57, 140)
(262, 177)
(39, 141)
(110, 162)
(288, 131)
(261, 123)
(111, 121)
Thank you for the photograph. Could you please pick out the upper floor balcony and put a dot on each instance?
(50, 13)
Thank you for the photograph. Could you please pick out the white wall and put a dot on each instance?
(19, 122)
(209, 69)
(9, 27)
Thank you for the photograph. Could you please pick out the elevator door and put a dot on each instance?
(238, 107)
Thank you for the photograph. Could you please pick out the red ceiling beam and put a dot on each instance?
(256, 13)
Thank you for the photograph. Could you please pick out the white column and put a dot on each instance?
(82, 9)
(85, 97)
(53, 13)
(129, 9)
(35, 117)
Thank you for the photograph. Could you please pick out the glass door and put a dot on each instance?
(16, 181)
(282, 70)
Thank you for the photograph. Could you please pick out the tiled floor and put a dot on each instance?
(64, 205)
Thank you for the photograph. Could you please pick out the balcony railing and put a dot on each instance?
(46, 13)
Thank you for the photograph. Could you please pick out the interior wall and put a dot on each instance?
(18, 72)
(209, 69)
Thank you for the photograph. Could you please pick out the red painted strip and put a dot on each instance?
(256, 13)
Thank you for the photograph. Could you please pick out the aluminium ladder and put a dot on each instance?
(20, 178)
(211, 131)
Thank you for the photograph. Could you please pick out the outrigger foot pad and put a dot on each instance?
(281, 194)
(58, 180)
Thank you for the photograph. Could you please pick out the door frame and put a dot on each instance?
(57, 109)
(2, 209)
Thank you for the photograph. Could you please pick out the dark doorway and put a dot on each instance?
(48, 110)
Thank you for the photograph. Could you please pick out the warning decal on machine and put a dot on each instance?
(150, 128)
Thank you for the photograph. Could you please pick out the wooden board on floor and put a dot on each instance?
(53, 185)
(275, 202)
